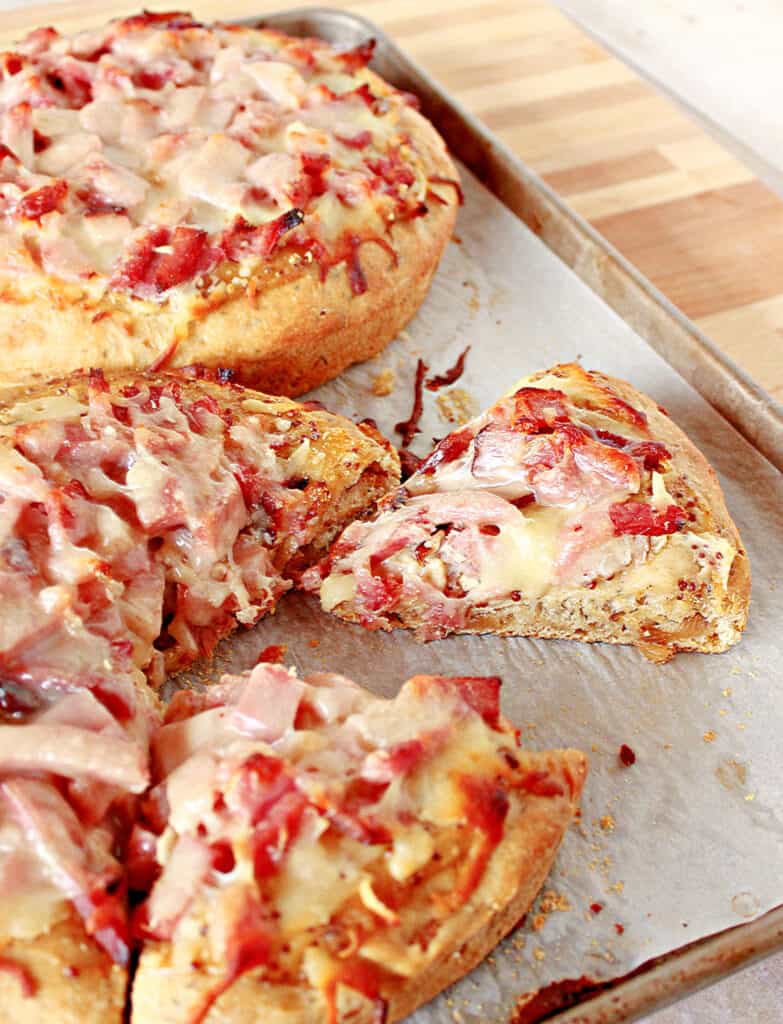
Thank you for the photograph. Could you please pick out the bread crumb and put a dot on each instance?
(539, 954)
(315, 642)
(606, 822)
(383, 383)
(709, 736)
(456, 406)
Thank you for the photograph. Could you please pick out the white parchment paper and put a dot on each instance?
(687, 841)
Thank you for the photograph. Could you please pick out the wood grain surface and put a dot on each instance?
(692, 217)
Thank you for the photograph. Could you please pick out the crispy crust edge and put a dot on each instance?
(295, 333)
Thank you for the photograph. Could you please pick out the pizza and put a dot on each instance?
(573, 508)
(173, 193)
(141, 517)
(319, 855)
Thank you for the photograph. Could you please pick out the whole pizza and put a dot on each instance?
(173, 193)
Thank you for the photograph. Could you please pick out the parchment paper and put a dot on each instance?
(687, 841)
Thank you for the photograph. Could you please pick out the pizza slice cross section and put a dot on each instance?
(574, 508)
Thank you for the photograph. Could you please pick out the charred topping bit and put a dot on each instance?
(273, 654)
(409, 464)
(452, 375)
(408, 429)
(627, 756)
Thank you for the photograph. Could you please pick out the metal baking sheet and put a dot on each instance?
(689, 842)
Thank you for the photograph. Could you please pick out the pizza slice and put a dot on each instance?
(140, 517)
(573, 508)
(156, 510)
(319, 854)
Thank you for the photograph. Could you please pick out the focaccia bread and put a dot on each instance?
(141, 516)
(174, 193)
(573, 508)
(324, 856)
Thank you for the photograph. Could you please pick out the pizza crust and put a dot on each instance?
(76, 981)
(282, 329)
(534, 829)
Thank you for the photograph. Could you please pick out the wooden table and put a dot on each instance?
(686, 212)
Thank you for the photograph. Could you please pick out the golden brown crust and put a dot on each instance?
(534, 829)
(75, 980)
(282, 329)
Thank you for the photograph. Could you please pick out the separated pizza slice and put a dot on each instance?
(319, 855)
(573, 508)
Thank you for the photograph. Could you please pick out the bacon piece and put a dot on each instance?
(34, 205)
(539, 783)
(359, 141)
(481, 693)
(357, 58)
(267, 704)
(486, 805)
(243, 239)
(410, 427)
(639, 518)
(447, 450)
(392, 170)
(450, 376)
(384, 766)
(146, 268)
(192, 255)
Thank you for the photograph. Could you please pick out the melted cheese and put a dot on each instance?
(196, 126)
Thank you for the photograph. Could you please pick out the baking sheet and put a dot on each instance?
(687, 841)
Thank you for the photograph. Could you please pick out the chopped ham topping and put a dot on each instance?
(195, 142)
(331, 812)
